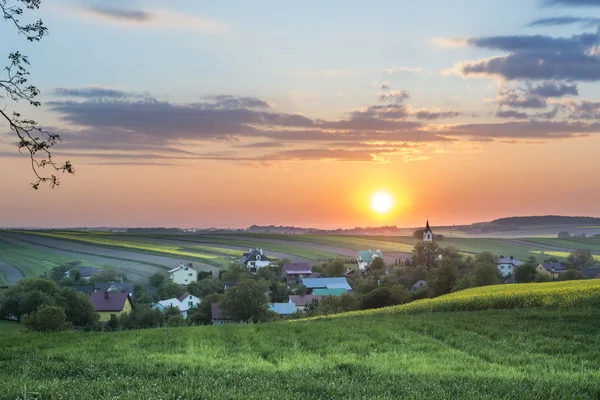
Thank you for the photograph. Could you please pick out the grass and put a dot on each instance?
(30, 262)
(544, 353)
(592, 244)
(7, 327)
(560, 254)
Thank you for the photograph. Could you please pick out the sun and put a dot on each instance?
(382, 202)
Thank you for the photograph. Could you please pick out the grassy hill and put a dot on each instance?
(401, 352)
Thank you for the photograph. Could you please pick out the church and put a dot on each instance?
(427, 233)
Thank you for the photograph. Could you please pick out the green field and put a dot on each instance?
(30, 262)
(7, 327)
(542, 353)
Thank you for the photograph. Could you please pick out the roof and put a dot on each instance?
(82, 289)
(216, 313)
(329, 292)
(86, 272)
(252, 256)
(283, 308)
(297, 268)
(326, 283)
(125, 287)
(556, 267)
(316, 275)
(509, 260)
(590, 272)
(109, 301)
(369, 255)
(171, 303)
(302, 301)
(182, 265)
(427, 228)
(184, 296)
(419, 283)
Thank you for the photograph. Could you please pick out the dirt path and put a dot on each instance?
(12, 274)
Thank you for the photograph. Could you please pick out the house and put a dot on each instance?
(506, 265)
(294, 272)
(329, 292)
(85, 273)
(303, 302)
(366, 257)
(218, 317)
(184, 274)
(326, 283)
(283, 308)
(428, 233)
(183, 303)
(124, 287)
(83, 289)
(418, 285)
(552, 270)
(255, 259)
(590, 273)
(111, 303)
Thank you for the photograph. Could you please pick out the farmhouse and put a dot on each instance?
(184, 274)
(124, 287)
(590, 273)
(294, 272)
(85, 273)
(418, 285)
(183, 303)
(303, 302)
(506, 265)
(366, 257)
(283, 308)
(552, 270)
(255, 259)
(111, 303)
(326, 283)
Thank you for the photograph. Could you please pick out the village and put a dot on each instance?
(259, 288)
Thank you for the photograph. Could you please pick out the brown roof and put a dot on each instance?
(109, 301)
(216, 312)
(183, 296)
(301, 301)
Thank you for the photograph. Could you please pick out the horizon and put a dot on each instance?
(198, 114)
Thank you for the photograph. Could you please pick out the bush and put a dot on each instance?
(156, 279)
(47, 319)
(540, 278)
(571, 275)
(175, 321)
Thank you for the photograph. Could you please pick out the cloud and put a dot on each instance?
(554, 89)
(571, 3)
(122, 13)
(397, 96)
(537, 58)
(431, 115)
(145, 18)
(584, 110)
(449, 42)
(511, 114)
(91, 93)
(385, 86)
(524, 130)
(557, 21)
(259, 145)
(393, 70)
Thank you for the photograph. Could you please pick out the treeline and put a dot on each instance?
(545, 220)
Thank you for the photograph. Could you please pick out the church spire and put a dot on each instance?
(427, 228)
(428, 233)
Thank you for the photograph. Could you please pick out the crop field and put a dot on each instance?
(543, 353)
(31, 263)
(7, 327)
(592, 244)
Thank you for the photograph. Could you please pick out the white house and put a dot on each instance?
(506, 265)
(427, 233)
(255, 259)
(366, 257)
(183, 303)
(184, 274)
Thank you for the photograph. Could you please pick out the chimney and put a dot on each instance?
(106, 294)
(261, 253)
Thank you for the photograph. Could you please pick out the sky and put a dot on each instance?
(197, 113)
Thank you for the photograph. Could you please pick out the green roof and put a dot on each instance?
(329, 292)
(367, 255)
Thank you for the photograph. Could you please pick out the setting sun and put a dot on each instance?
(381, 202)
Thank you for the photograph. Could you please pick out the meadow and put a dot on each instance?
(525, 353)
(30, 262)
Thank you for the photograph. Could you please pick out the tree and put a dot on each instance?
(334, 269)
(108, 275)
(205, 287)
(156, 279)
(418, 234)
(201, 315)
(15, 87)
(377, 265)
(113, 323)
(418, 274)
(485, 274)
(170, 290)
(571, 275)
(248, 300)
(235, 272)
(142, 318)
(377, 298)
(466, 282)
(580, 259)
(79, 309)
(47, 319)
(426, 254)
(175, 321)
(527, 272)
(442, 280)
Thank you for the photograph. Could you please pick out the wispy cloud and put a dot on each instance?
(393, 70)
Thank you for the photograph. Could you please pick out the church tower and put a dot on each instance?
(427, 233)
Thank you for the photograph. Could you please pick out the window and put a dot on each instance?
(190, 297)
(113, 315)
(190, 274)
(190, 303)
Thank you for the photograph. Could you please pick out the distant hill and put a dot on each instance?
(544, 220)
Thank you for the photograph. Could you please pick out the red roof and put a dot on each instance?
(297, 269)
(305, 300)
(109, 301)
(183, 296)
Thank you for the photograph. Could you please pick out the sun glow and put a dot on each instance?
(382, 202)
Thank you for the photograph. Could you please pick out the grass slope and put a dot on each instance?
(31, 262)
(549, 353)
